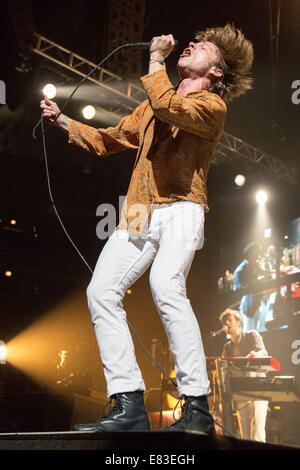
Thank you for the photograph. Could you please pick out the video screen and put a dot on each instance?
(266, 261)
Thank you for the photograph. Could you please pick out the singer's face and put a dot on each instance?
(197, 59)
(232, 325)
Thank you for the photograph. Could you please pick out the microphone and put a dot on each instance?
(143, 45)
(218, 332)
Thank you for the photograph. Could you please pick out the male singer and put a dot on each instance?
(175, 132)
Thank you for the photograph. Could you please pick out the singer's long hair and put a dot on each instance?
(235, 61)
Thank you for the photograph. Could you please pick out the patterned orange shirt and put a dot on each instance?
(175, 136)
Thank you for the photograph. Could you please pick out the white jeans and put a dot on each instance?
(252, 419)
(121, 262)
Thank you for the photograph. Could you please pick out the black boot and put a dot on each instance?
(195, 416)
(127, 413)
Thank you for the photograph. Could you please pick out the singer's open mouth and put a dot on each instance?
(186, 53)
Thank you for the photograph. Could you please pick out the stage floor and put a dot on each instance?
(143, 441)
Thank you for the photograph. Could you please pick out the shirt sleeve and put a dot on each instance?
(111, 140)
(258, 344)
(244, 276)
(202, 114)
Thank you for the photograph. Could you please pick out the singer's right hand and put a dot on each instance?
(50, 110)
(162, 46)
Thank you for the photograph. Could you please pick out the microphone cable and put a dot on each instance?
(41, 123)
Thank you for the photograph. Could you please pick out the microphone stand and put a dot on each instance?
(213, 334)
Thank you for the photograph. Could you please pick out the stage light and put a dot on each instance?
(268, 232)
(62, 337)
(8, 273)
(49, 90)
(239, 180)
(88, 112)
(3, 352)
(13, 222)
(261, 197)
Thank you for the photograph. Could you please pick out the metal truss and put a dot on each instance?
(234, 146)
(111, 82)
(126, 95)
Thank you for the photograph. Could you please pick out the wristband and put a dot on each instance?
(161, 61)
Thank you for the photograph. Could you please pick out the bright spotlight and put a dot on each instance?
(8, 273)
(49, 90)
(268, 232)
(239, 180)
(88, 112)
(13, 222)
(261, 197)
(3, 352)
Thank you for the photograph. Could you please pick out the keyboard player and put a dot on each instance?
(251, 414)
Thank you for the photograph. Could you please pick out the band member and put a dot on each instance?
(175, 132)
(246, 274)
(251, 414)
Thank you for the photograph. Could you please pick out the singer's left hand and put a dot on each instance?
(162, 46)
